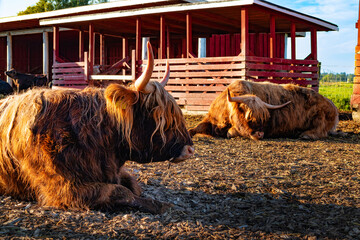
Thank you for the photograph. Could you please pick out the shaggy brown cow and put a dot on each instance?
(67, 148)
(260, 110)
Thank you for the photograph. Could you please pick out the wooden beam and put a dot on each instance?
(188, 35)
(55, 44)
(91, 48)
(314, 44)
(81, 46)
(272, 36)
(293, 41)
(167, 42)
(46, 59)
(138, 39)
(244, 45)
(162, 37)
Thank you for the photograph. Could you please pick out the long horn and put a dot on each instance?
(166, 75)
(141, 84)
(270, 106)
(241, 99)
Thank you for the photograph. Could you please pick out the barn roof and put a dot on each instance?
(208, 17)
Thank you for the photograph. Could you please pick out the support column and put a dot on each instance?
(102, 49)
(81, 46)
(244, 45)
(188, 35)
(124, 51)
(55, 44)
(46, 59)
(9, 47)
(272, 37)
(293, 41)
(314, 44)
(162, 38)
(91, 48)
(138, 49)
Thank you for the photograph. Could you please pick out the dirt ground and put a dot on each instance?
(231, 189)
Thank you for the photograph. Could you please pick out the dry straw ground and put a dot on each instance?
(230, 189)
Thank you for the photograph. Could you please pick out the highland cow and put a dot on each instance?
(67, 148)
(257, 110)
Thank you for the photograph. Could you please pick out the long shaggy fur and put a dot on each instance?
(67, 148)
(309, 115)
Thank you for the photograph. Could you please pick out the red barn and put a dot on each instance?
(207, 43)
(355, 98)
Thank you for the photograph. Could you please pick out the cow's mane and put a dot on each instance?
(255, 110)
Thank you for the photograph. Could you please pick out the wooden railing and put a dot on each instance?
(278, 70)
(196, 82)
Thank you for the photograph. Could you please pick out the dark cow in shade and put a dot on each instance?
(256, 110)
(67, 148)
(5, 88)
(23, 81)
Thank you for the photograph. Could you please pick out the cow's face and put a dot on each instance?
(248, 116)
(11, 73)
(149, 119)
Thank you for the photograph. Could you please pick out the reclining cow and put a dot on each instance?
(67, 148)
(23, 81)
(258, 110)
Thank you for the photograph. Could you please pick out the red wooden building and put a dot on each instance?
(355, 98)
(207, 43)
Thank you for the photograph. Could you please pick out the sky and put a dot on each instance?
(336, 50)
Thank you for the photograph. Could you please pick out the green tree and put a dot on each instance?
(50, 5)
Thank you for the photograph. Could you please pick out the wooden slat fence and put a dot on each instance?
(70, 75)
(195, 82)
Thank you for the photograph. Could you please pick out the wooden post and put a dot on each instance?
(55, 44)
(272, 37)
(138, 39)
(102, 49)
(133, 65)
(162, 38)
(293, 41)
(9, 58)
(355, 97)
(81, 46)
(167, 42)
(188, 35)
(124, 51)
(244, 44)
(46, 59)
(86, 66)
(314, 44)
(91, 48)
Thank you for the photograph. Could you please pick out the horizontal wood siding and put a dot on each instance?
(195, 82)
(69, 75)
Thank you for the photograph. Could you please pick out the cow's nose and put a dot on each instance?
(186, 153)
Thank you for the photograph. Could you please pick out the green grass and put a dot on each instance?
(339, 93)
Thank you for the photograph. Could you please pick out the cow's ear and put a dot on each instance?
(121, 96)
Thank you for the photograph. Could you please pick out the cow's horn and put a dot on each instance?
(141, 84)
(238, 99)
(270, 106)
(166, 75)
(241, 99)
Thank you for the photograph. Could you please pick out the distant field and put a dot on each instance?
(339, 93)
